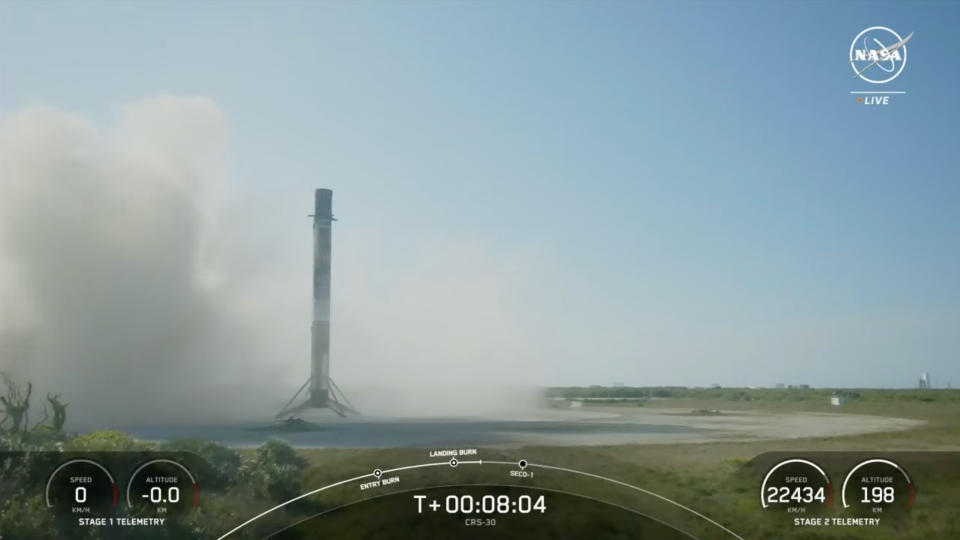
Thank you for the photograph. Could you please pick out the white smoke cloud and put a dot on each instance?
(125, 287)
(108, 242)
(441, 336)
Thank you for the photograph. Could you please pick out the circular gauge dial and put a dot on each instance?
(796, 485)
(81, 487)
(877, 485)
(163, 486)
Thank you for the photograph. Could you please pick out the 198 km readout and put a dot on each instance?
(487, 504)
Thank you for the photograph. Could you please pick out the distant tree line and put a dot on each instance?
(749, 394)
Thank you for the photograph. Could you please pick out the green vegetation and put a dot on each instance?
(239, 484)
(713, 477)
(15, 428)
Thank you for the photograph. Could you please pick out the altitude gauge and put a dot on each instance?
(797, 486)
(877, 485)
(162, 487)
(81, 487)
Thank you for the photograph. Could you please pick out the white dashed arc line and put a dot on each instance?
(335, 484)
(454, 463)
(587, 497)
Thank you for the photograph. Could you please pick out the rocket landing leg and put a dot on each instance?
(336, 401)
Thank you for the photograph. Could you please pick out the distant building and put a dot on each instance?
(924, 380)
(780, 385)
(837, 400)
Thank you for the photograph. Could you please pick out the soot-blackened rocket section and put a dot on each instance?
(320, 328)
(319, 392)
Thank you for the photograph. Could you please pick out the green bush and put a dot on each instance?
(106, 441)
(224, 462)
(275, 470)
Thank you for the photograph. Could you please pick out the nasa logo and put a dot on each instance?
(878, 54)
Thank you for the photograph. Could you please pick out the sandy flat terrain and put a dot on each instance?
(578, 426)
(725, 426)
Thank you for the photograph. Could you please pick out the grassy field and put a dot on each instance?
(716, 478)
(720, 479)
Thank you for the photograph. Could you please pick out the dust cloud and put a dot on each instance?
(445, 336)
(128, 287)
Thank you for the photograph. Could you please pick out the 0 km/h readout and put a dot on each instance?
(81, 487)
(487, 504)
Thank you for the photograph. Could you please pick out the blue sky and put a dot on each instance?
(691, 191)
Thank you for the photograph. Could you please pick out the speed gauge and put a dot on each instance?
(796, 485)
(81, 487)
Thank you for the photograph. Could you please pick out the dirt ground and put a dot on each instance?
(721, 425)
